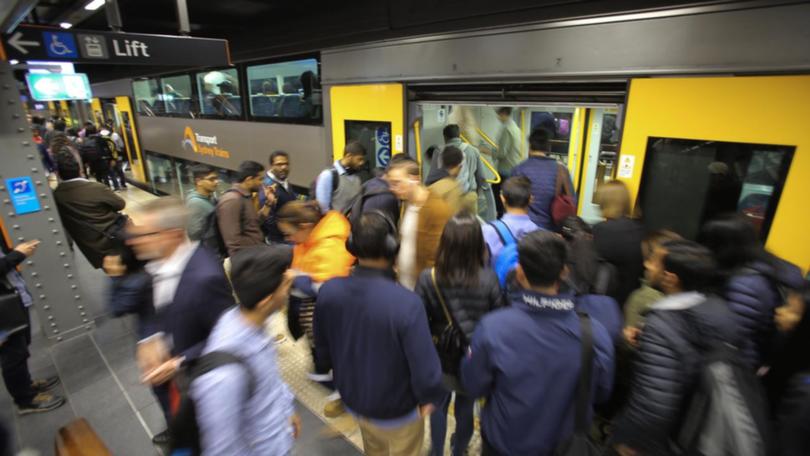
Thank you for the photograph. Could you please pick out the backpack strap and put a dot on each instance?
(335, 179)
(581, 424)
(503, 232)
(447, 314)
(216, 359)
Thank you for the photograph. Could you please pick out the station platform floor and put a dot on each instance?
(100, 378)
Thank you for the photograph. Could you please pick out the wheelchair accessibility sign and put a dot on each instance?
(23, 195)
(60, 45)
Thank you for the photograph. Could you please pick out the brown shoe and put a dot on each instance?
(334, 409)
(44, 384)
(42, 402)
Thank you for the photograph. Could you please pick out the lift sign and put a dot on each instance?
(23, 195)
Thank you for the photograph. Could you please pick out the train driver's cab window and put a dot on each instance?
(147, 96)
(218, 93)
(285, 90)
(687, 182)
(175, 95)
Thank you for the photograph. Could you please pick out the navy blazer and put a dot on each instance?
(202, 295)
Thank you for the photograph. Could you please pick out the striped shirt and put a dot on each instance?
(231, 421)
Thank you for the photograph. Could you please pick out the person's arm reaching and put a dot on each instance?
(476, 367)
(323, 190)
(426, 370)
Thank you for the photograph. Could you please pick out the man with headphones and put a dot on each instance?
(374, 334)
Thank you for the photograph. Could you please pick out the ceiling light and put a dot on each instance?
(65, 25)
(13, 61)
(94, 5)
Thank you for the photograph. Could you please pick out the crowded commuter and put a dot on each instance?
(376, 195)
(29, 396)
(189, 291)
(375, 335)
(89, 210)
(116, 174)
(516, 197)
(470, 176)
(588, 272)
(242, 403)
(677, 334)
(427, 210)
(95, 152)
(319, 254)
(275, 181)
(754, 281)
(618, 238)
(201, 202)
(336, 186)
(239, 221)
(525, 360)
(640, 300)
(457, 293)
(548, 179)
(508, 155)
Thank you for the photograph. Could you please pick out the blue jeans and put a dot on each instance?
(464, 424)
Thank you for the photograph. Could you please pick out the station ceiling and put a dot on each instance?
(259, 29)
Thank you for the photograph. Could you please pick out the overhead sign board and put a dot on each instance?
(115, 48)
(56, 86)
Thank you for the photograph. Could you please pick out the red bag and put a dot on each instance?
(563, 204)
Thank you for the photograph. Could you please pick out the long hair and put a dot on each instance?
(613, 199)
(462, 252)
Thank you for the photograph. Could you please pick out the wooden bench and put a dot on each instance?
(79, 439)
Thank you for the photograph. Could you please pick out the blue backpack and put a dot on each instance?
(507, 258)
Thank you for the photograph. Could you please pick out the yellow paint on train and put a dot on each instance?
(765, 110)
(368, 102)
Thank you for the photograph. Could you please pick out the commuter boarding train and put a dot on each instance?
(698, 110)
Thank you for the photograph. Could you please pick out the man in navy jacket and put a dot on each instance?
(525, 359)
(374, 334)
(188, 293)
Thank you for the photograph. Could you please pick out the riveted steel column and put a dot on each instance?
(50, 273)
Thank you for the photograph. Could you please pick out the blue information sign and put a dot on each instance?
(23, 195)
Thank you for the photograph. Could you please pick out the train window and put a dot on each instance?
(285, 90)
(218, 93)
(375, 137)
(175, 95)
(687, 182)
(147, 96)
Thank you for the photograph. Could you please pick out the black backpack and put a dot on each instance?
(355, 209)
(183, 428)
(335, 183)
(727, 412)
(211, 237)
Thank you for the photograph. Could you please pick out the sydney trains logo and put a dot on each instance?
(203, 145)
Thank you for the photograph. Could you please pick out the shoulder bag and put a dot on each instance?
(451, 342)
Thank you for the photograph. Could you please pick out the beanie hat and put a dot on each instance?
(257, 271)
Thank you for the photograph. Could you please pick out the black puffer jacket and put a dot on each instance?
(468, 305)
(677, 332)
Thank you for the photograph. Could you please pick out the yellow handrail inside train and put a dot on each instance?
(417, 138)
(486, 163)
(486, 138)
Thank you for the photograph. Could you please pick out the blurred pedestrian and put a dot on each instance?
(239, 221)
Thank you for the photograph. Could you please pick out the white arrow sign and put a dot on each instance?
(20, 45)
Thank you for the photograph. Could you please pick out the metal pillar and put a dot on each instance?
(50, 273)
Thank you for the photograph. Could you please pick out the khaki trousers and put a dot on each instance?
(406, 440)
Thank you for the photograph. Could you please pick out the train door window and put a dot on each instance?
(558, 122)
(687, 182)
(175, 95)
(285, 90)
(604, 131)
(376, 138)
(146, 93)
(218, 93)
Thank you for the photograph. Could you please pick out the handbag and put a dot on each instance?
(563, 204)
(451, 342)
(12, 310)
(579, 444)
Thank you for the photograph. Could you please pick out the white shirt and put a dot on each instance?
(406, 260)
(166, 273)
(284, 183)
